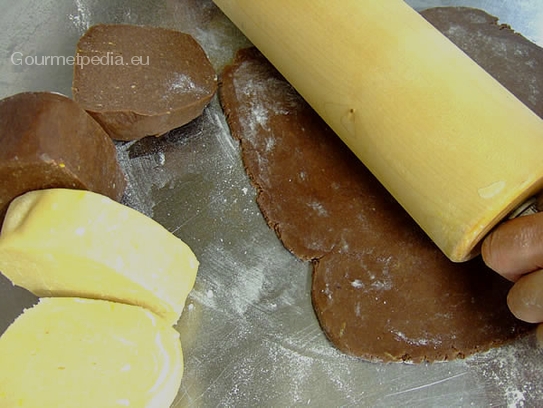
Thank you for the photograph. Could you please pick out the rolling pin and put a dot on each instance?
(457, 150)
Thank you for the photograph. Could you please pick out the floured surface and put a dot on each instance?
(381, 290)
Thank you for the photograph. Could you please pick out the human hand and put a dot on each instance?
(515, 251)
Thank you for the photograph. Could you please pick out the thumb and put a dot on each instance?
(515, 247)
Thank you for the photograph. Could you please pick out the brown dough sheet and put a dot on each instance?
(381, 289)
(169, 84)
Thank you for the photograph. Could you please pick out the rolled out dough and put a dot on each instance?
(381, 289)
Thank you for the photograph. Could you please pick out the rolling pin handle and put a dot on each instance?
(528, 208)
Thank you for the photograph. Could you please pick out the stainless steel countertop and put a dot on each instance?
(249, 334)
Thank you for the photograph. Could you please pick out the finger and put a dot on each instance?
(525, 299)
(515, 247)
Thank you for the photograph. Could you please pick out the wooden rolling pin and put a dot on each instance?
(456, 149)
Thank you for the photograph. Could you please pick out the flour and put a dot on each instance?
(265, 96)
(357, 284)
(515, 379)
(211, 28)
(181, 83)
(287, 367)
(318, 208)
(258, 111)
(418, 341)
(82, 18)
(141, 181)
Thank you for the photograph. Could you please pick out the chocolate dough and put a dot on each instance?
(381, 289)
(48, 141)
(144, 80)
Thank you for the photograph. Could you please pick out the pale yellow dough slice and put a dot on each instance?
(72, 352)
(62, 242)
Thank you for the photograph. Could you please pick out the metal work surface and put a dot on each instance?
(249, 334)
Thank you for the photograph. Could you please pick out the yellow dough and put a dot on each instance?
(72, 352)
(62, 242)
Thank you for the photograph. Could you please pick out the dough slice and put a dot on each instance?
(48, 141)
(139, 81)
(62, 242)
(381, 289)
(70, 352)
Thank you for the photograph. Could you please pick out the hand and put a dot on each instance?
(515, 251)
